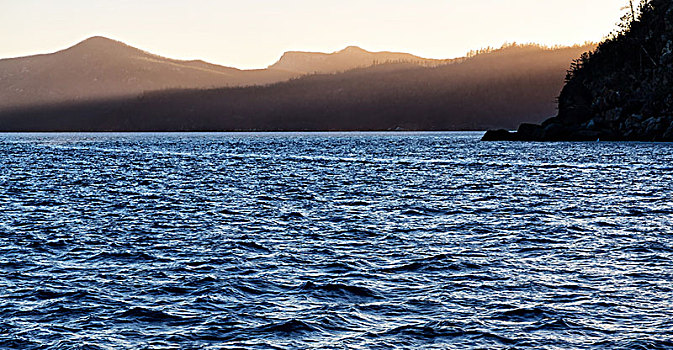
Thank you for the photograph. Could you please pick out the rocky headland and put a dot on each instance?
(622, 91)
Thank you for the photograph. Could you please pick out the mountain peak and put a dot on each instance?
(104, 45)
(100, 41)
(349, 58)
(353, 49)
(99, 38)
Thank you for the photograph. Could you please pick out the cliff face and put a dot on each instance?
(623, 91)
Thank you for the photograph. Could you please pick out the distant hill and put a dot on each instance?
(101, 68)
(492, 89)
(346, 59)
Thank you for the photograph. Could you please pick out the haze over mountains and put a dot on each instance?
(104, 85)
(346, 59)
(100, 68)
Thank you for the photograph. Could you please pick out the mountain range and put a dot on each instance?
(101, 68)
(104, 85)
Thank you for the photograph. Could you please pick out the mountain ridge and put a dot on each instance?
(306, 62)
(102, 68)
(496, 88)
(99, 68)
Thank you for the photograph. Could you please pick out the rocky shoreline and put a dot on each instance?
(623, 91)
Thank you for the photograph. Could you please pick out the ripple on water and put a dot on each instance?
(333, 241)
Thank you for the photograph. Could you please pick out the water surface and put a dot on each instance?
(333, 241)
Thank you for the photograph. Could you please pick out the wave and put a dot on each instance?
(524, 314)
(49, 294)
(343, 289)
(434, 263)
(289, 326)
(253, 246)
(445, 329)
(125, 256)
(149, 315)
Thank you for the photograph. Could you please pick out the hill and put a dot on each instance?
(346, 59)
(622, 91)
(495, 88)
(101, 68)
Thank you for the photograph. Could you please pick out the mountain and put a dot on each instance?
(496, 88)
(346, 59)
(100, 68)
(622, 91)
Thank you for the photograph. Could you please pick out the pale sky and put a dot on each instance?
(255, 33)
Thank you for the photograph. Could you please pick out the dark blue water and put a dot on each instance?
(333, 241)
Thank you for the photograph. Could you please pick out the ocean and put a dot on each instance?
(333, 241)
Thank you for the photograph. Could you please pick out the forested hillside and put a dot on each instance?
(495, 88)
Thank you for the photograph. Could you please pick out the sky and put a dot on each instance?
(255, 33)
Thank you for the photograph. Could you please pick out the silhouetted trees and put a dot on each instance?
(497, 88)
